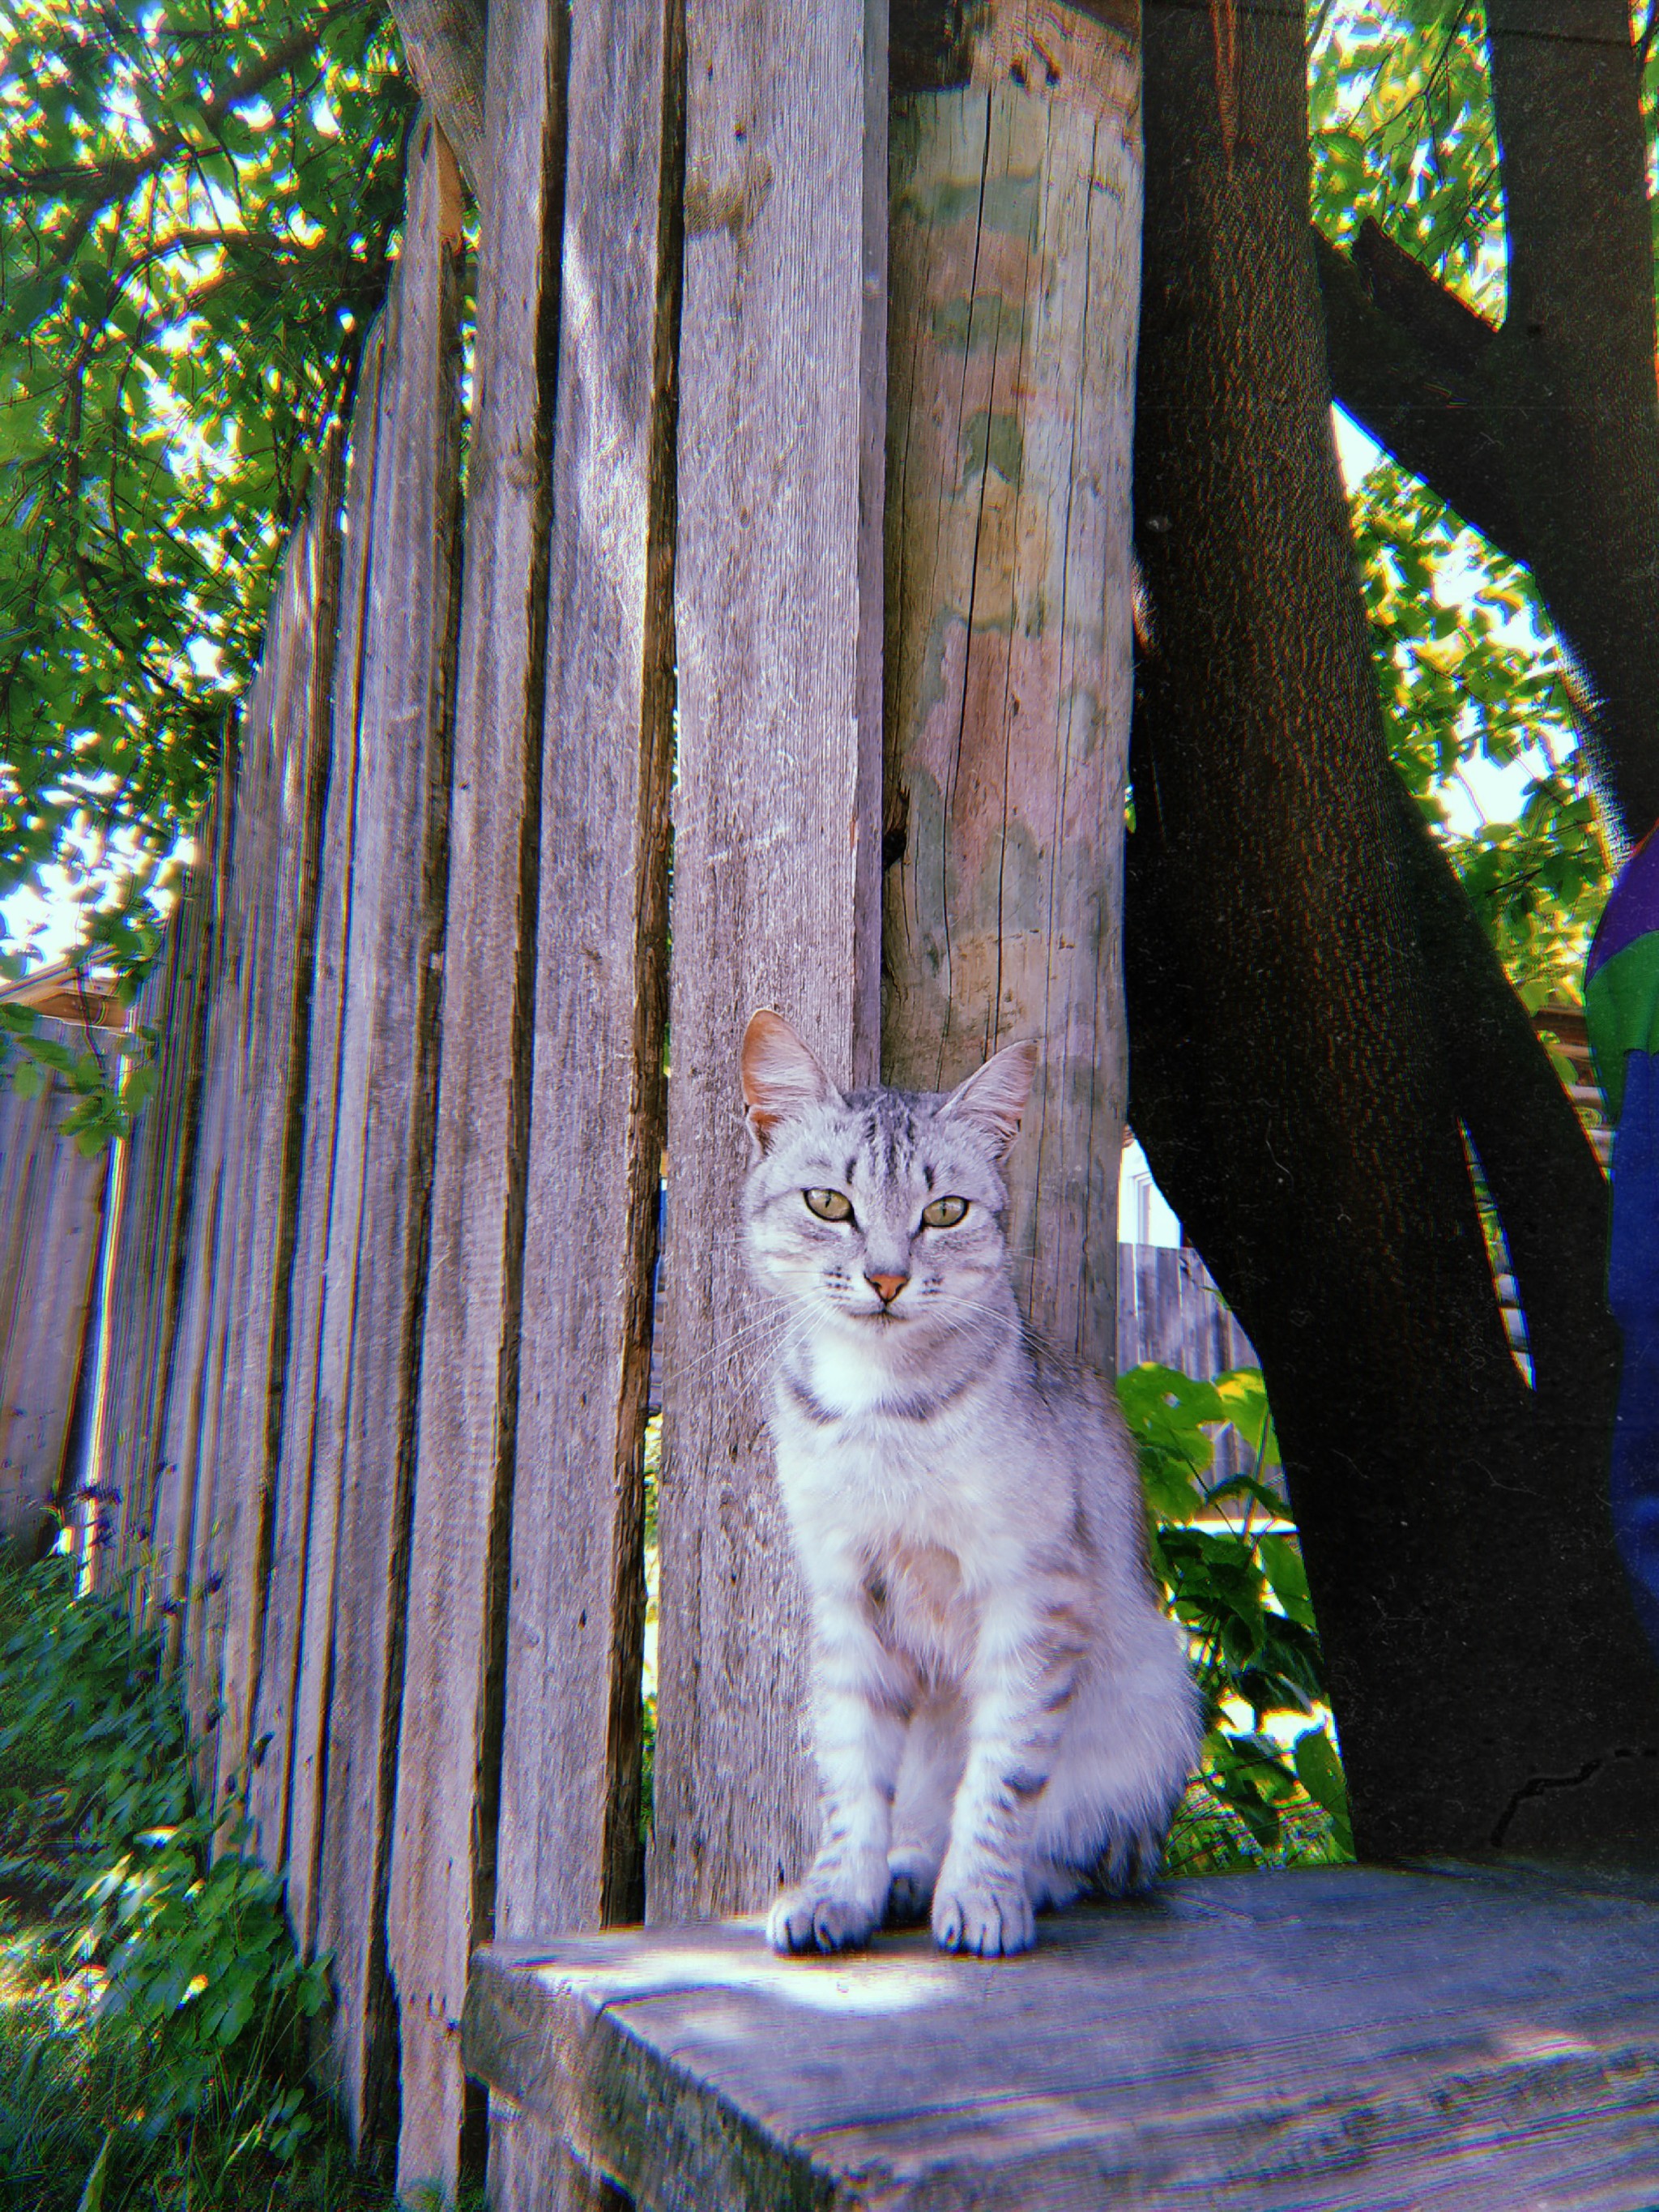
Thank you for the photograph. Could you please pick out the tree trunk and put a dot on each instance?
(1016, 203)
(1311, 1019)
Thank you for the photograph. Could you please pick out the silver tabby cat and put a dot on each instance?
(1001, 1714)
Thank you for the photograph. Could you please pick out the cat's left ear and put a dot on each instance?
(780, 1075)
(995, 1096)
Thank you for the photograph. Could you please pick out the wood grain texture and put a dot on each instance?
(1351, 2038)
(283, 843)
(569, 1853)
(179, 1465)
(51, 1217)
(155, 1227)
(285, 1801)
(1015, 276)
(276, 753)
(775, 859)
(442, 1876)
(369, 1368)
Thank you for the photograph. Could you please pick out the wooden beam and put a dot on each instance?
(782, 411)
(1015, 288)
(393, 732)
(569, 1851)
(442, 1878)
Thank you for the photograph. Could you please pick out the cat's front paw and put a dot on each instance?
(987, 1912)
(815, 1917)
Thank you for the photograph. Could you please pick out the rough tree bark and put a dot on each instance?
(1314, 1008)
(1543, 434)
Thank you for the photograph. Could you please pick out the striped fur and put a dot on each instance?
(1001, 1713)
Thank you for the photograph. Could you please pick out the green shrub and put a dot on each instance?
(155, 2019)
(1267, 1793)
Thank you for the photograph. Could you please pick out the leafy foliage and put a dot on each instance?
(108, 1079)
(1233, 1577)
(196, 208)
(1400, 109)
(1467, 669)
(159, 2017)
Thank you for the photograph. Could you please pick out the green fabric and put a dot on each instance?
(1621, 1010)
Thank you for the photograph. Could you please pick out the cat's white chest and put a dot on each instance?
(846, 1381)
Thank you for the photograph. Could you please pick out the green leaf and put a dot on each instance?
(92, 2196)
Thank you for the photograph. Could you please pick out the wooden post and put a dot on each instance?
(569, 1853)
(156, 1225)
(442, 1876)
(331, 1684)
(775, 867)
(1015, 273)
(265, 883)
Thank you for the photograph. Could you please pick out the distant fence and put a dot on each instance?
(1170, 1310)
(52, 1204)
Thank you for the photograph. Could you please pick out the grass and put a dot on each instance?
(155, 2024)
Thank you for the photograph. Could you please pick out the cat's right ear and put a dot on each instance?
(781, 1076)
(995, 1095)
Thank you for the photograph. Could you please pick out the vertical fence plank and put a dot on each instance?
(179, 1425)
(569, 1851)
(776, 846)
(371, 1347)
(285, 1801)
(157, 1214)
(1016, 180)
(276, 1043)
(279, 760)
(331, 1222)
(442, 1876)
(51, 1213)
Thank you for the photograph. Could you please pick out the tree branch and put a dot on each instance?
(1404, 357)
(97, 184)
(444, 45)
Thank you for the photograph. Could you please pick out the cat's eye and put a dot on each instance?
(944, 1213)
(829, 1204)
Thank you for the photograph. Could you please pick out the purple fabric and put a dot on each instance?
(1633, 909)
(1633, 1294)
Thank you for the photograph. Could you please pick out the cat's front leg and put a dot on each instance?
(861, 1703)
(1025, 1671)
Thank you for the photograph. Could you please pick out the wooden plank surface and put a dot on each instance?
(284, 848)
(776, 855)
(179, 1428)
(1345, 2039)
(50, 1215)
(447, 1779)
(369, 1370)
(1015, 285)
(295, 1686)
(285, 1801)
(569, 1853)
(157, 1211)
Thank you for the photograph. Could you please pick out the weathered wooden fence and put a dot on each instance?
(821, 590)
(51, 1211)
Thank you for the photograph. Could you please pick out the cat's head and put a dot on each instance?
(879, 1213)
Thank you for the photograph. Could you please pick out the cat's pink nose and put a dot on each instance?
(886, 1287)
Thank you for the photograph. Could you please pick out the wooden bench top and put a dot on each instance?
(1336, 2039)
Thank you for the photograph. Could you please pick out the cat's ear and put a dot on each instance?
(995, 1095)
(781, 1076)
